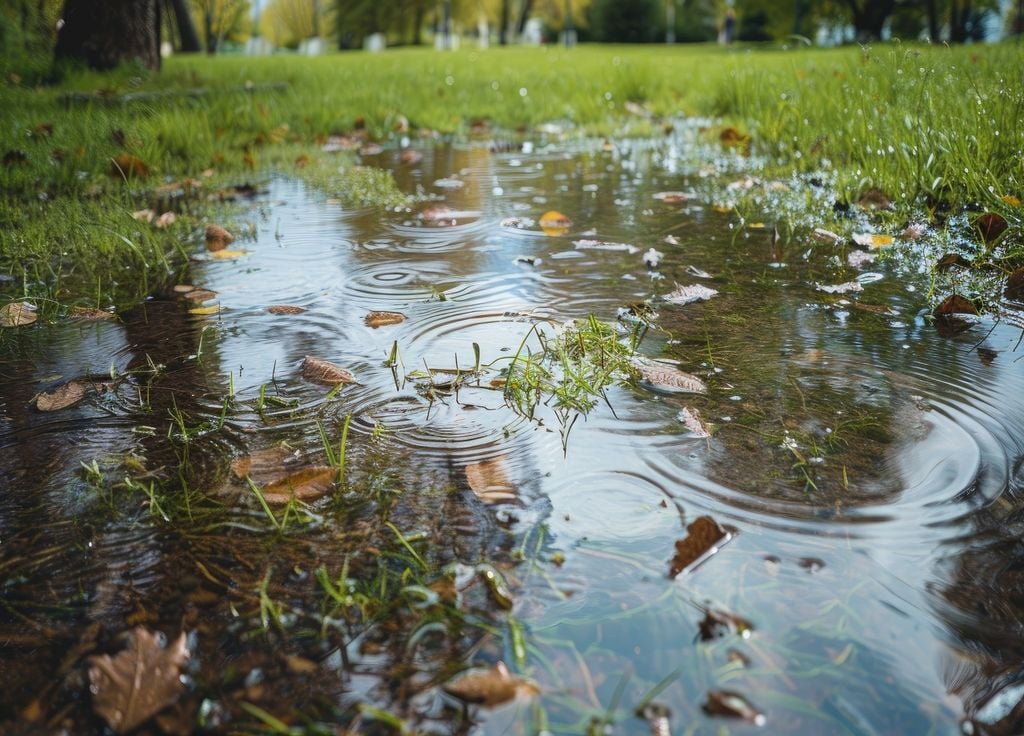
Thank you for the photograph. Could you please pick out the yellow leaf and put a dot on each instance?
(228, 255)
(213, 309)
(872, 240)
(1011, 200)
(555, 223)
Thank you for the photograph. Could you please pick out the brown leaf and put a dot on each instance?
(489, 481)
(875, 199)
(17, 314)
(285, 309)
(691, 293)
(62, 397)
(165, 220)
(692, 421)
(307, 484)
(951, 259)
(380, 319)
(90, 314)
(15, 157)
(263, 466)
(199, 295)
(990, 226)
(703, 537)
(730, 137)
(139, 682)
(673, 197)
(554, 222)
(217, 238)
(733, 705)
(410, 156)
(717, 623)
(126, 166)
(323, 371)
(1015, 286)
(667, 377)
(826, 236)
(489, 687)
(955, 304)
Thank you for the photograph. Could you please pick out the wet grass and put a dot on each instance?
(935, 128)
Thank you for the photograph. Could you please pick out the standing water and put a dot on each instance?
(859, 471)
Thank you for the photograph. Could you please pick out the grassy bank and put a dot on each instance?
(933, 127)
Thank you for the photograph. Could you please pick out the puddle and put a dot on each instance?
(867, 470)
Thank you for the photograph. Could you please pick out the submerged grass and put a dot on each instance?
(932, 126)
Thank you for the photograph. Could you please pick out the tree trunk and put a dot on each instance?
(208, 34)
(503, 24)
(933, 20)
(869, 18)
(105, 33)
(417, 25)
(958, 17)
(186, 28)
(524, 15)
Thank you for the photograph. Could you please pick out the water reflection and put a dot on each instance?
(869, 467)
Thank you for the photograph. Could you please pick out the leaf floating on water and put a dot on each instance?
(228, 255)
(699, 273)
(952, 259)
(732, 705)
(691, 420)
(205, 311)
(652, 258)
(199, 295)
(306, 485)
(872, 240)
(826, 236)
(703, 538)
(441, 214)
(490, 687)
(410, 156)
(217, 238)
(138, 683)
(673, 197)
(954, 305)
(554, 222)
(489, 481)
(17, 314)
(90, 314)
(601, 245)
(61, 397)
(990, 226)
(183, 288)
(382, 319)
(688, 294)
(717, 623)
(667, 377)
(323, 371)
(285, 309)
(849, 287)
(859, 258)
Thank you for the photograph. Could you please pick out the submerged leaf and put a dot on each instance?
(600, 244)
(849, 287)
(690, 293)
(953, 305)
(489, 481)
(733, 705)
(323, 371)
(990, 226)
(307, 485)
(61, 397)
(554, 222)
(132, 687)
(263, 466)
(217, 238)
(90, 314)
(380, 319)
(17, 314)
(285, 309)
(673, 197)
(667, 377)
(691, 420)
(1015, 286)
(490, 687)
(703, 537)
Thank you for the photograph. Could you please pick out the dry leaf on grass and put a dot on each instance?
(323, 371)
(17, 314)
(667, 377)
(489, 481)
(490, 687)
(139, 682)
(307, 484)
(62, 397)
(125, 165)
(380, 319)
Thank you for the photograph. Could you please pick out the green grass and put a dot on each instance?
(931, 126)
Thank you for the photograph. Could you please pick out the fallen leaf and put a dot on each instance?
(204, 311)
(718, 623)
(826, 236)
(952, 259)
(139, 682)
(634, 108)
(410, 157)
(914, 231)
(1015, 286)
(872, 240)
(62, 397)
(445, 215)
(490, 687)
(323, 371)
(371, 149)
(17, 314)
(489, 481)
(730, 137)
(667, 377)
(89, 314)
(691, 420)
(307, 484)
(673, 197)
(652, 258)
(733, 705)
(380, 319)
(285, 309)
(217, 238)
(703, 538)
(595, 244)
(954, 305)
(555, 223)
(228, 255)
(263, 466)
(849, 287)
(125, 165)
(1011, 200)
(990, 226)
(199, 295)
(165, 220)
(698, 272)
(875, 199)
(15, 157)
(183, 288)
(691, 293)
(144, 215)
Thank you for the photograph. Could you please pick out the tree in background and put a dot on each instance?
(221, 20)
(105, 33)
(625, 21)
(289, 22)
(188, 39)
(28, 29)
